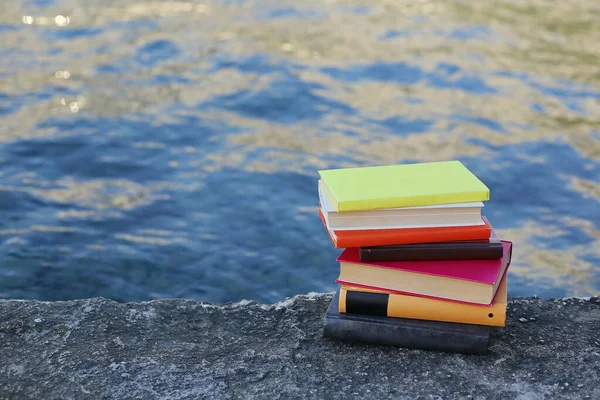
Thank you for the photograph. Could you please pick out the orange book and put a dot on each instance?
(383, 237)
(379, 302)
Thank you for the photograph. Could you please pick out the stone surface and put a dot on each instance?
(184, 349)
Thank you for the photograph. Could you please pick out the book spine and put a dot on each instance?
(382, 254)
(405, 306)
(405, 334)
(382, 238)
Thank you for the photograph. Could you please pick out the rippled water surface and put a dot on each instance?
(169, 149)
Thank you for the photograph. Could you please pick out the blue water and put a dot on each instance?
(170, 149)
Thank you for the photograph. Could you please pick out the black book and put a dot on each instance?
(401, 332)
(460, 250)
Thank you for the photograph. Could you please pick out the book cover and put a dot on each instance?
(354, 300)
(381, 237)
(470, 281)
(456, 250)
(401, 332)
(403, 185)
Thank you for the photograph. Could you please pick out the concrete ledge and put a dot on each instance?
(184, 349)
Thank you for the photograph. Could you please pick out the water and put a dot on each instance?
(169, 149)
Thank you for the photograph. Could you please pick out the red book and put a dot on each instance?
(382, 237)
(470, 281)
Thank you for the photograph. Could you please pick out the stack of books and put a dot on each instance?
(421, 266)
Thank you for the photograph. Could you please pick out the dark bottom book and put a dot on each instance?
(401, 332)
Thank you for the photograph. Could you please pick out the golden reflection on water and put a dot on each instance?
(553, 268)
(537, 42)
(588, 189)
(153, 240)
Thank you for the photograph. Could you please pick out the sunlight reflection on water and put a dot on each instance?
(170, 149)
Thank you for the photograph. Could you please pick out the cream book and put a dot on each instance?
(457, 214)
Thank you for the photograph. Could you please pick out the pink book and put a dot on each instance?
(470, 281)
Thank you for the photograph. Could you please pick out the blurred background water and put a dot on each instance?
(153, 149)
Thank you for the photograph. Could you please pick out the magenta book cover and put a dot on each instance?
(483, 271)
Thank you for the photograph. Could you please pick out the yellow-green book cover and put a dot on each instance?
(402, 185)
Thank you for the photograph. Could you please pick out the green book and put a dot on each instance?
(402, 185)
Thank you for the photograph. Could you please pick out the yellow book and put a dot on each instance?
(403, 185)
(377, 302)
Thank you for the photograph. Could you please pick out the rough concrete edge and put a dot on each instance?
(287, 302)
(311, 296)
